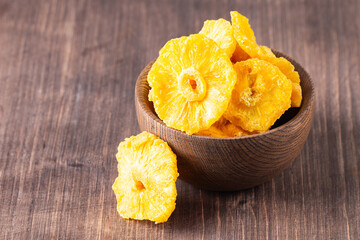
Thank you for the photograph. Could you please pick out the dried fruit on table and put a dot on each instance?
(222, 33)
(223, 128)
(191, 83)
(261, 95)
(145, 187)
(245, 37)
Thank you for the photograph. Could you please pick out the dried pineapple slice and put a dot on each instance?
(145, 187)
(223, 128)
(288, 70)
(266, 53)
(191, 83)
(212, 132)
(245, 37)
(261, 95)
(232, 130)
(222, 33)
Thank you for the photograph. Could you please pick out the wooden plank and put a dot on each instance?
(67, 76)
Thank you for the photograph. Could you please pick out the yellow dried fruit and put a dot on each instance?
(222, 33)
(288, 70)
(223, 128)
(212, 132)
(245, 37)
(191, 83)
(261, 95)
(145, 187)
(266, 53)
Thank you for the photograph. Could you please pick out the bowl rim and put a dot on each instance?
(290, 123)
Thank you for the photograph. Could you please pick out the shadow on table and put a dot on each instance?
(203, 212)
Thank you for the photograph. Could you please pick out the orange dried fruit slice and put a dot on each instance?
(222, 33)
(212, 132)
(223, 128)
(191, 83)
(266, 53)
(288, 70)
(232, 130)
(145, 186)
(261, 95)
(245, 37)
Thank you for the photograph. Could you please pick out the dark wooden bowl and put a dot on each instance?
(227, 164)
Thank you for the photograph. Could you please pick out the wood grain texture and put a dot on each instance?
(231, 164)
(67, 76)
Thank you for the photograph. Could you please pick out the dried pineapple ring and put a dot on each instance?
(191, 83)
(212, 132)
(222, 33)
(245, 37)
(266, 52)
(232, 130)
(261, 95)
(145, 187)
(223, 128)
(288, 70)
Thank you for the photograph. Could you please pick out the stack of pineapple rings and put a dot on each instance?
(221, 83)
(216, 83)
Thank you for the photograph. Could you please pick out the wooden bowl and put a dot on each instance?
(228, 164)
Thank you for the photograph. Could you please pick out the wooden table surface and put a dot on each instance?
(67, 75)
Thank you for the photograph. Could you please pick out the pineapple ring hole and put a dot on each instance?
(139, 186)
(251, 95)
(192, 85)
